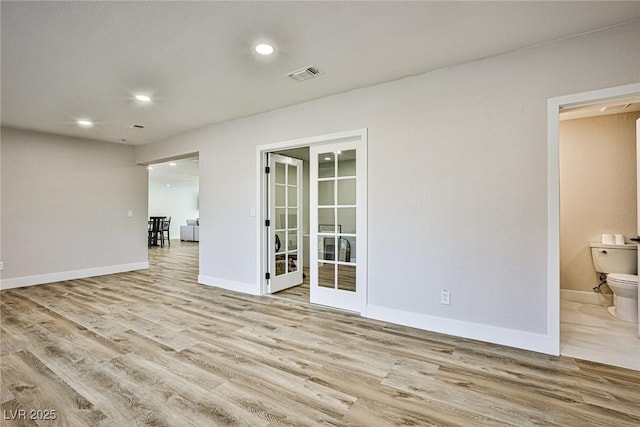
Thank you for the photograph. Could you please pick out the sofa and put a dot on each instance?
(191, 231)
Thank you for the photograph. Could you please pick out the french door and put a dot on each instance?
(338, 225)
(285, 222)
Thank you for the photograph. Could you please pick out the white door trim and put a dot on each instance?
(553, 196)
(261, 151)
(638, 197)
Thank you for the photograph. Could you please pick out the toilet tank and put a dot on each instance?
(615, 258)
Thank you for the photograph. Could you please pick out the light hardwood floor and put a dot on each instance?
(346, 281)
(299, 293)
(155, 348)
(590, 332)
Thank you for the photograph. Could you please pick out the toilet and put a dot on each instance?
(620, 264)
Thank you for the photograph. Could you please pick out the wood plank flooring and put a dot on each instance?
(155, 348)
(326, 275)
(297, 293)
(590, 332)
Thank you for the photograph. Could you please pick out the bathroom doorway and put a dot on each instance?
(598, 193)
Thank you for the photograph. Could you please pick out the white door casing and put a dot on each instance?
(554, 105)
(638, 201)
(358, 136)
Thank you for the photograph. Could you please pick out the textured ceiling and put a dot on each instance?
(617, 106)
(65, 60)
(181, 173)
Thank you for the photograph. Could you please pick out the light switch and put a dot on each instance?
(130, 213)
(252, 212)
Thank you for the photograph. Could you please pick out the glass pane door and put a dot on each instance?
(285, 229)
(336, 221)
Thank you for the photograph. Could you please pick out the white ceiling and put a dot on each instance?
(617, 106)
(67, 60)
(182, 173)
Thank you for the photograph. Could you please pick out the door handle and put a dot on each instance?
(635, 239)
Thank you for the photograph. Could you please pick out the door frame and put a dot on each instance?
(261, 199)
(148, 163)
(553, 195)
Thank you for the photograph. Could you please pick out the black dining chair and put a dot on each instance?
(154, 229)
(149, 232)
(166, 224)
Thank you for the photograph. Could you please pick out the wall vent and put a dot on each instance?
(305, 73)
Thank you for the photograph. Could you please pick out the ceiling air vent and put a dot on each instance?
(134, 126)
(305, 73)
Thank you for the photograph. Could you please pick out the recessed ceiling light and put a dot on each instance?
(264, 49)
(167, 185)
(84, 123)
(143, 98)
(172, 164)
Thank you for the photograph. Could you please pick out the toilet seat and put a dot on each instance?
(623, 279)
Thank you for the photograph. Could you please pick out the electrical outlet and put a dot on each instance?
(130, 213)
(1, 265)
(445, 297)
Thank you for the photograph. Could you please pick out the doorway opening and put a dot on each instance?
(288, 205)
(174, 203)
(312, 226)
(592, 191)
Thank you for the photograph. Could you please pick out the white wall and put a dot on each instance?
(178, 202)
(457, 163)
(1, 260)
(65, 204)
(597, 190)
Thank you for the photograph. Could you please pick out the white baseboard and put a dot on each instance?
(493, 334)
(40, 279)
(586, 297)
(247, 288)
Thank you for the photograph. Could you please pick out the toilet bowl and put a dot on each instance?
(620, 265)
(625, 296)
